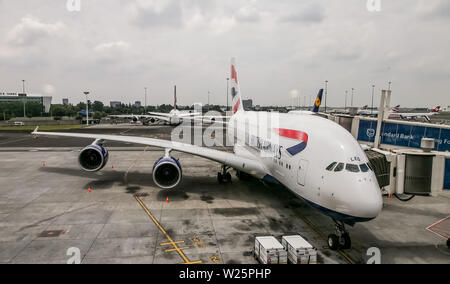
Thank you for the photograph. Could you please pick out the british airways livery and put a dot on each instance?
(315, 158)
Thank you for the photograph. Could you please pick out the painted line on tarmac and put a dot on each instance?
(170, 240)
(347, 257)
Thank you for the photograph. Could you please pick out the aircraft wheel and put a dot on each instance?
(219, 177)
(333, 242)
(448, 243)
(228, 177)
(347, 241)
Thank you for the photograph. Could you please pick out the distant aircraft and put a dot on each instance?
(365, 111)
(174, 117)
(315, 158)
(412, 115)
(315, 107)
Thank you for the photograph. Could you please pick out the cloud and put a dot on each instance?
(154, 13)
(48, 89)
(31, 29)
(116, 46)
(311, 13)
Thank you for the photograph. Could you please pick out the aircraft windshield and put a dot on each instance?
(352, 168)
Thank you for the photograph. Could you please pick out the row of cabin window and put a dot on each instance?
(337, 167)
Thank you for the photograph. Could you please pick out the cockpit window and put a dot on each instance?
(364, 168)
(330, 167)
(352, 168)
(339, 167)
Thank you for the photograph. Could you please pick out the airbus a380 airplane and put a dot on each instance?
(174, 117)
(315, 158)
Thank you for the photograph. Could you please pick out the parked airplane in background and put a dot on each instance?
(365, 111)
(174, 117)
(315, 107)
(315, 158)
(412, 115)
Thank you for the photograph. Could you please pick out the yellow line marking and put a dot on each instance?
(166, 244)
(321, 235)
(176, 248)
(168, 250)
(193, 262)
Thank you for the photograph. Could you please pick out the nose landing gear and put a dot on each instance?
(341, 239)
(224, 176)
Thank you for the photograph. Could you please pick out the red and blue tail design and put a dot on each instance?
(235, 90)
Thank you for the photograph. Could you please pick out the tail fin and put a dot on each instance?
(236, 100)
(318, 101)
(175, 97)
(395, 109)
(436, 109)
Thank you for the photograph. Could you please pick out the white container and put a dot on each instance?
(268, 250)
(299, 251)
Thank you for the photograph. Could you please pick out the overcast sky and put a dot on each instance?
(114, 48)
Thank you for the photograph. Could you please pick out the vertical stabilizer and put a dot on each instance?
(236, 101)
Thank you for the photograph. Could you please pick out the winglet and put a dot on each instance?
(35, 130)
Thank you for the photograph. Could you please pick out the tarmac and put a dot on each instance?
(50, 207)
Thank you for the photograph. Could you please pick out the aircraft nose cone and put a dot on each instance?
(371, 202)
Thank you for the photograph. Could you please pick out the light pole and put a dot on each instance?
(145, 102)
(228, 91)
(87, 108)
(346, 93)
(373, 92)
(326, 94)
(24, 99)
(208, 100)
(389, 85)
(352, 96)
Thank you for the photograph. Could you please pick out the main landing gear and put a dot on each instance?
(224, 176)
(341, 239)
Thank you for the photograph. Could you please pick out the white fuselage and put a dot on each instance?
(344, 195)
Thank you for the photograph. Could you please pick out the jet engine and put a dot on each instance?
(93, 158)
(167, 172)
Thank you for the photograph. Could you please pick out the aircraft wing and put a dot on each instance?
(243, 164)
(160, 114)
(189, 114)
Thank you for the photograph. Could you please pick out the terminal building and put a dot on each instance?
(20, 97)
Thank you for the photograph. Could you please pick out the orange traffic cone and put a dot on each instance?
(167, 199)
(390, 195)
(43, 164)
(112, 167)
(89, 190)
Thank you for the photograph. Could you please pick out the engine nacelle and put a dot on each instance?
(93, 158)
(167, 172)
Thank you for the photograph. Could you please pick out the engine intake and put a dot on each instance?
(93, 158)
(167, 172)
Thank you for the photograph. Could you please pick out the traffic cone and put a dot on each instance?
(43, 164)
(167, 199)
(89, 190)
(390, 195)
(112, 167)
